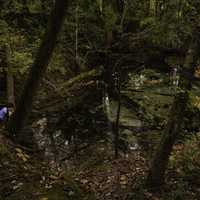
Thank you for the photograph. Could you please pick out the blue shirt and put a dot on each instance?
(3, 113)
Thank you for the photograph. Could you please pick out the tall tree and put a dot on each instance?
(39, 67)
(160, 160)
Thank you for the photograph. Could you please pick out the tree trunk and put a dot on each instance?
(38, 68)
(4, 73)
(72, 92)
(10, 89)
(152, 8)
(9, 82)
(160, 160)
(116, 128)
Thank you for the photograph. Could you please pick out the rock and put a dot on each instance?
(71, 193)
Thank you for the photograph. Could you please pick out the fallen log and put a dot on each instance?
(70, 93)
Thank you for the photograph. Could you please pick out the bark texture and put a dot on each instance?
(10, 89)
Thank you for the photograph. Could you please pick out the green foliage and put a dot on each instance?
(110, 18)
(170, 27)
(58, 63)
(147, 21)
(20, 62)
(16, 6)
(194, 102)
(35, 6)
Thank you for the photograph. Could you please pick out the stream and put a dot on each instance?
(131, 125)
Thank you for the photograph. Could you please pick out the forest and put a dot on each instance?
(99, 100)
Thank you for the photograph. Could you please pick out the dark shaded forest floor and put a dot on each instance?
(94, 174)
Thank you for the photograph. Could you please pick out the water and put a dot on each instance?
(136, 81)
(56, 146)
(128, 121)
(42, 139)
(174, 78)
(127, 117)
(106, 105)
(107, 110)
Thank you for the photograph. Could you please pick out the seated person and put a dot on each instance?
(6, 111)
